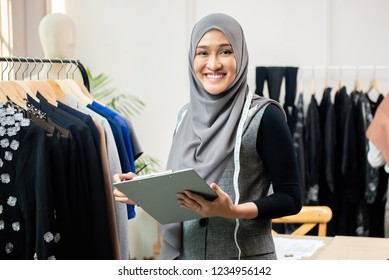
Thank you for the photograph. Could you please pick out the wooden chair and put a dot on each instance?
(309, 217)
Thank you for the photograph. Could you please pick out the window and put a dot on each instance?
(56, 6)
(6, 45)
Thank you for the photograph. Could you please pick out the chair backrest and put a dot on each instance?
(308, 217)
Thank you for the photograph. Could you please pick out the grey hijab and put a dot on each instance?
(206, 137)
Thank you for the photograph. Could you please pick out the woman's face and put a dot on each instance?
(214, 62)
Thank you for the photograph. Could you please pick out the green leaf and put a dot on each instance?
(154, 164)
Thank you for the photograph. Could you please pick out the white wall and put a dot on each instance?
(143, 46)
(143, 50)
(359, 36)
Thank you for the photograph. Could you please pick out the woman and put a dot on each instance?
(239, 143)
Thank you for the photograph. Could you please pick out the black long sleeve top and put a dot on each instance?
(275, 145)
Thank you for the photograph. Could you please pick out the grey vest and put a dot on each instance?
(213, 238)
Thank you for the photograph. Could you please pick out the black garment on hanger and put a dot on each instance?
(27, 214)
(290, 85)
(376, 190)
(88, 195)
(345, 165)
(273, 76)
(296, 123)
(312, 144)
(367, 176)
(327, 194)
(89, 122)
(260, 78)
(274, 81)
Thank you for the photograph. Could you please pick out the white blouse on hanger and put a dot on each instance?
(375, 157)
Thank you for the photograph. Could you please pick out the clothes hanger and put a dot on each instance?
(357, 84)
(22, 89)
(326, 80)
(3, 96)
(70, 87)
(41, 86)
(81, 85)
(30, 83)
(374, 85)
(300, 81)
(59, 94)
(313, 90)
(64, 86)
(76, 86)
(341, 82)
(9, 90)
(28, 90)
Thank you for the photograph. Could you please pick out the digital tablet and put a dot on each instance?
(156, 193)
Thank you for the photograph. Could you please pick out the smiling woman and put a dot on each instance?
(239, 143)
(214, 63)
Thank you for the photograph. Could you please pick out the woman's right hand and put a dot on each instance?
(119, 196)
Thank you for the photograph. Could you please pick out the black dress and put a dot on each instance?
(27, 221)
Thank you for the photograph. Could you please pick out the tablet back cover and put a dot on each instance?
(156, 194)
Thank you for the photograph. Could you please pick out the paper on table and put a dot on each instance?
(294, 248)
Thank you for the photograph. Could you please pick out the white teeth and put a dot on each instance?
(214, 76)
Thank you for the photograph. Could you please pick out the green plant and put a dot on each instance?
(125, 104)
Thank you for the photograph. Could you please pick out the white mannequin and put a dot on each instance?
(57, 34)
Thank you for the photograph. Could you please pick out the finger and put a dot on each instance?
(123, 177)
(193, 196)
(121, 199)
(217, 189)
(185, 199)
(188, 203)
(197, 199)
(125, 200)
(197, 208)
(118, 193)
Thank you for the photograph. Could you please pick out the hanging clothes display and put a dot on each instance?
(57, 162)
(334, 167)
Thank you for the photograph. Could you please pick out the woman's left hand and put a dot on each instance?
(222, 206)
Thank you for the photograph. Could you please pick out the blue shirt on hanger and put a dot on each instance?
(117, 131)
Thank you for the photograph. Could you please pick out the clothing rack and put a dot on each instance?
(332, 67)
(340, 68)
(345, 67)
(51, 61)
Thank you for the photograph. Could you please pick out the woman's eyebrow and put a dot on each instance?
(220, 46)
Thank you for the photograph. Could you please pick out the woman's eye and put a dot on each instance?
(226, 52)
(201, 53)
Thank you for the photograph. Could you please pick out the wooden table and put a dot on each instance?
(343, 247)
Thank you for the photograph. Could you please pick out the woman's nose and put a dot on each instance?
(214, 62)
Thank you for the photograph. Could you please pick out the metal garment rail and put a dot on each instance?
(50, 61)
(330, 67)
(340, 68)
(345, 67)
